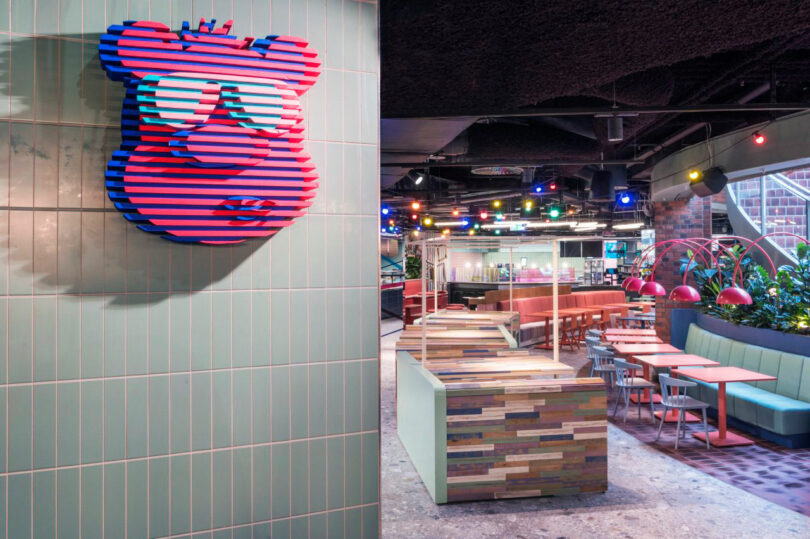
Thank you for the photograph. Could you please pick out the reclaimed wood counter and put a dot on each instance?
(483, 429)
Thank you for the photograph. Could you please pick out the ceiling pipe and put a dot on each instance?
(680, 135)
(753, 94)
(513, 162)
(635, 111)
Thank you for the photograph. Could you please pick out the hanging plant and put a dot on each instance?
(413, 267)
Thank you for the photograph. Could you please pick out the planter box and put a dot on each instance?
(767, 338)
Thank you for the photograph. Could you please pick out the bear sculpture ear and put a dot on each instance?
(141, 34)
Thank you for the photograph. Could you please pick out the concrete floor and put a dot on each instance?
(649, 495)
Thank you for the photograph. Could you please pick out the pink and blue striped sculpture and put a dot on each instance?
(212, 131)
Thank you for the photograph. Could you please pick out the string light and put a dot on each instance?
(415, 205)
(414, 217)
(455, 212)
(483, 215)
(471, 232)
(554, 212)
(445, 232)
(497, 203)
(528, 205)
(553, 186)
(497, 231)
(391, 222)
(385, 211)
(428, 221)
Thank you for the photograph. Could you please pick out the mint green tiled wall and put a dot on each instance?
(152, 389)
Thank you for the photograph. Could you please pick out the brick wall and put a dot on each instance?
(677, 220)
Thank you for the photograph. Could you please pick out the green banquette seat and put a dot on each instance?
(781, 406)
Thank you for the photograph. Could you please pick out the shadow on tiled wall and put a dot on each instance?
(64, 124)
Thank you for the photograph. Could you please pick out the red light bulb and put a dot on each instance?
(483, 215)
(456, 212)
(414, 217)
(553, 186)
(759, 139)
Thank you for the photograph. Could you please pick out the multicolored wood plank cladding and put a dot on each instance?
(460, 333)
(454, 373)
(521, 438)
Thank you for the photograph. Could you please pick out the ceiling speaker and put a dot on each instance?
(710, 182)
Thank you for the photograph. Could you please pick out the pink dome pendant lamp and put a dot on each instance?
(735, 295)
(684, 293)
(651, 287)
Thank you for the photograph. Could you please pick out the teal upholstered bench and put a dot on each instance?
(776, 410)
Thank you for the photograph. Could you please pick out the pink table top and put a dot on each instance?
(633, 339)
(643, 348)
(629, 331)
(724, 374)
(663, 361)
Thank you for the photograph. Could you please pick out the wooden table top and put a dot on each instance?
(630, 331)
(664, 361)
(724, 374)
(644, 348)
(566, 311)
(633, 339)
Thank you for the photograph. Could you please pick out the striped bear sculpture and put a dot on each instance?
(212, 131)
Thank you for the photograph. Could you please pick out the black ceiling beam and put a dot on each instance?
(512, 162)
(628, 111)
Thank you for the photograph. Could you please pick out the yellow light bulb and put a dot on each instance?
(428, 221)
(528, 205)
(694, 174)
(471, 232)
(497, 203)
(446, 231)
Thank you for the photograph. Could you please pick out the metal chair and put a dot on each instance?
(595, 333)
(628, 383)
(602, 364)
(590, 342)
(674, 397)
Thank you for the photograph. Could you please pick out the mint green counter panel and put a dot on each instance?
(422, 423)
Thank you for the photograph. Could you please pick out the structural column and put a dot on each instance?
(677, 219)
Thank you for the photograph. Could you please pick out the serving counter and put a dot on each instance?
(501, 427)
